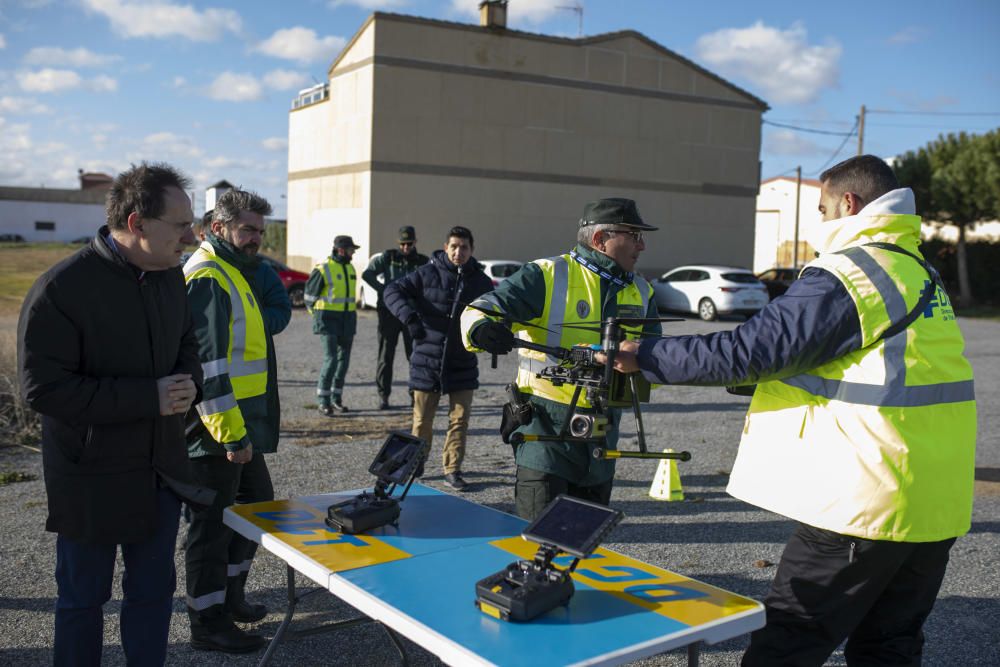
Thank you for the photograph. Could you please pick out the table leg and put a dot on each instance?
(395, 642)
(292, 600)
(693, 651)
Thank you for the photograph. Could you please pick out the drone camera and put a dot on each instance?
(587, 426)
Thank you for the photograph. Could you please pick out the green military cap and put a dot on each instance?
(407, 234)
(344, 242)
(614, 211)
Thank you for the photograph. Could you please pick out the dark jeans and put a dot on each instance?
(84, 573)
(389, 329)
(534, 489)
(218, 559)
(336, 358)
(829, 587)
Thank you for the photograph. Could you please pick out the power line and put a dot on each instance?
(839, 148)
(807, 129)
(935, 113)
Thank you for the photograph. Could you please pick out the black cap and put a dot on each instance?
(344, 242)
(614, 211)
(407, 234)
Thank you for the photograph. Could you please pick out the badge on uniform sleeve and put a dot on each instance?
(582, 308)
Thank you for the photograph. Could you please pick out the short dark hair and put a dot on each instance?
(229, 206)
(141, 189)
(462, 233)
(203, 223)
(867, 176)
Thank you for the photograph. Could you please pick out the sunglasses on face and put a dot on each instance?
(405, 244)
(636, 236)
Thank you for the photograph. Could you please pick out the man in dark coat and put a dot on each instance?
(109, 359)
(391, 265)
(429, 302)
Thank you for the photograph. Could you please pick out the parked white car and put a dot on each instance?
(497, 269)
(710, 291)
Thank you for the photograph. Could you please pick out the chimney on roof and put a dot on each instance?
(493, 14)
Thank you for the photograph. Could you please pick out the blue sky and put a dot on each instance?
(97, 84)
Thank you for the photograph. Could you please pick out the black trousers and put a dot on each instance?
(534, 489)
(389, 329)
(830, 587)
(218, 559)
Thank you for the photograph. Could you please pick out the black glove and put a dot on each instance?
(416, 329)
(493, 337)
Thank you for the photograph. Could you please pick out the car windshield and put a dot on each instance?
(504, 270)
(746, 278)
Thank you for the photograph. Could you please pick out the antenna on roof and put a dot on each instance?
(577, 9)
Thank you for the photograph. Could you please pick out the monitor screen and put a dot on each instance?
(399, 457)
(575, 526)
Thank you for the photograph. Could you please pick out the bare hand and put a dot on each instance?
(183, 393)
(170, 397)
(625, 357)
(242, 456)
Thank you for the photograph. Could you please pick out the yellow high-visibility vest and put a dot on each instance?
(572, 296)
(880, 443)
(340, 280)
(246, 355)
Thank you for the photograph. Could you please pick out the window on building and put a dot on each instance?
(43, 226)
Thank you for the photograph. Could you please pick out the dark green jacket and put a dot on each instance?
(391, 265)
(210, 312)
(522, 297)
(329, 322)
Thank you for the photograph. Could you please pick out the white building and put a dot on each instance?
(774, 237)
(54, 214)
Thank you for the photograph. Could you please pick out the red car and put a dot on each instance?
(294, 281)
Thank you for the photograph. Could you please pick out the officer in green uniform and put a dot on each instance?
(237, 420)
(391, 265)
(330, 297)
(593, 281)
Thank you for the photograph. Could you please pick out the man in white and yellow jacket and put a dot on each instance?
(862, 428)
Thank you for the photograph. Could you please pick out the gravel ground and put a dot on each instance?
(709, 536)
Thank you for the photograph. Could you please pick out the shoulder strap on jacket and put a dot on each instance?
(925, 298)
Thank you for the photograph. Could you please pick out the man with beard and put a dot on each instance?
(236, 422)
(392, 265)
(429, 301)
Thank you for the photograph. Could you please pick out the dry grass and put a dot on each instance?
(343, 428)
(21, 264)
(19, 424)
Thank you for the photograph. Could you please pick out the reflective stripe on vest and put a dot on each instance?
(339, 294)
(893, 392)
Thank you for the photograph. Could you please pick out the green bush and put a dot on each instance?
(983, 258)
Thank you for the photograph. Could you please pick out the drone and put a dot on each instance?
(603, 387)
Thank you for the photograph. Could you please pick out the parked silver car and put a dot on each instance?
(710, 291)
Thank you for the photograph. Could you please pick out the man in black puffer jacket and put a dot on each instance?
(110, 359)
(429, 302)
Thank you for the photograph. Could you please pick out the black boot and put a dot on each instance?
(236, 602)
(227, 640)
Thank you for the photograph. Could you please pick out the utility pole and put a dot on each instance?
(861, 131)
(798, 191)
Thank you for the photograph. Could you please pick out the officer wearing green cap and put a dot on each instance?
(593, 281)
(391, 265)
(330, 297)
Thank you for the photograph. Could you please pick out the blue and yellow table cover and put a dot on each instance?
(419, 578)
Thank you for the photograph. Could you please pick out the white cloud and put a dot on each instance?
(913, 100)
(301, 44)
(781, 63)
(285, 79)
(58, 57)
(907, 35)
(22, 105)
(27, 162)
(526, 11)
(275, 143)
(787, 142)
(3, 41)
(179, 82)
(160, 145)
(131, 18)
(50, 80)
(235, 87)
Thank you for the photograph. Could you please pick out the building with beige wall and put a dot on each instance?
(432, 124)
(774, 240)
